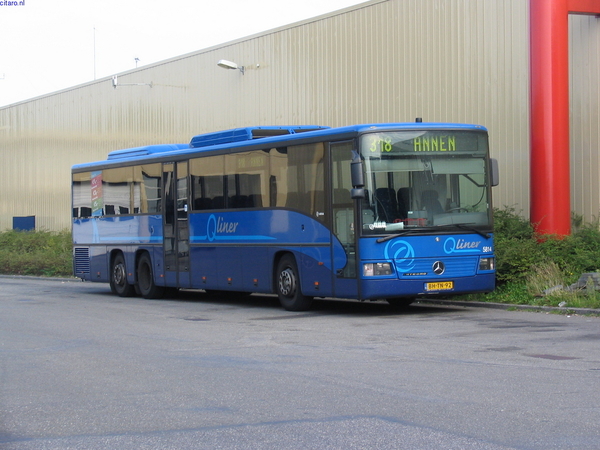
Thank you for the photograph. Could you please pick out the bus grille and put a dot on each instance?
(454, 267)
(82, 260)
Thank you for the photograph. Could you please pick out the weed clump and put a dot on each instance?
(37, 253)
(531, 268)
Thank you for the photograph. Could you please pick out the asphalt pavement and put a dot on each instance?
(81, 368)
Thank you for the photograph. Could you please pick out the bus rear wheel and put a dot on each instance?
(145, 279)
(118, 277)
(288, 286)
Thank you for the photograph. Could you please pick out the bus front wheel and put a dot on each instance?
(288, 286)
(118, 277)
(145, 279)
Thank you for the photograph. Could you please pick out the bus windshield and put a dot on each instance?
(423, 179)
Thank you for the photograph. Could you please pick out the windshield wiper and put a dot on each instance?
(395, 235)
(462, 226)
(466, 226)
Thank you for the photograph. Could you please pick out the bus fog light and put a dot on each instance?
(377, 269)
(487, 264)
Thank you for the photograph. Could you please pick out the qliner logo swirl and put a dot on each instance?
(216, 226)
(403, 253)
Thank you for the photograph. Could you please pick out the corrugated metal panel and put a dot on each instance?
(584, 75)
(443, 60)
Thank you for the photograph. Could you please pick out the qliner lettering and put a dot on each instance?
(434, 144)
(226, 227)
(462, 244)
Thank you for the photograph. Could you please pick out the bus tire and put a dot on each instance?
(400, 302)
(288, 285)
(118, 277)
(145, 279)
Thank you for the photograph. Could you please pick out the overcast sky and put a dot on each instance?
(49, 45)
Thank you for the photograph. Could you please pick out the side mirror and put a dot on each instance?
(495, 173)
(357, 194)
(356, 171)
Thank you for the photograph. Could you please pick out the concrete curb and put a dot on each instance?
(28, 277)
(510, 306)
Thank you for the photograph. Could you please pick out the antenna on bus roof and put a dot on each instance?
(419, 120)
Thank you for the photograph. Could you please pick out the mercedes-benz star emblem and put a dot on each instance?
(438, 267)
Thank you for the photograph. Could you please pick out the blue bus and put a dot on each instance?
(369, 212)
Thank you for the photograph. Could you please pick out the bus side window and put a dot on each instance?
(306, 176)
(247, 178)
(82, 195)
(117, 190)
(147, 189)
(207, 178)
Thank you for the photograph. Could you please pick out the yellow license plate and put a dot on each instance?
(440, 286)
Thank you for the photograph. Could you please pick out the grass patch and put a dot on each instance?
(37, 253)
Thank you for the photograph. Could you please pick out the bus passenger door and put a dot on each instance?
(343, 227)
(176, 224)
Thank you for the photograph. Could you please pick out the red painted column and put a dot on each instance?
(549, 83)
(586, 7)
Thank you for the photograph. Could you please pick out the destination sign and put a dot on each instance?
(420, 142)
(434, 144)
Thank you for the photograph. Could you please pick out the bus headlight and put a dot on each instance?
(487, 264)
(377, 269)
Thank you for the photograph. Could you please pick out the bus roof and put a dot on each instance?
(244, 137)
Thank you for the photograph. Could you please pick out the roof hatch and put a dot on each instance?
(247, 134)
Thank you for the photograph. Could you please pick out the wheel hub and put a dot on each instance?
(119, 274)
(287, 282)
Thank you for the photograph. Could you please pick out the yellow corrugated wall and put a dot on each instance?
(381, 61)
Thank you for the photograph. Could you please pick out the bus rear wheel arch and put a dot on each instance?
(145, 278)
(288, 286)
